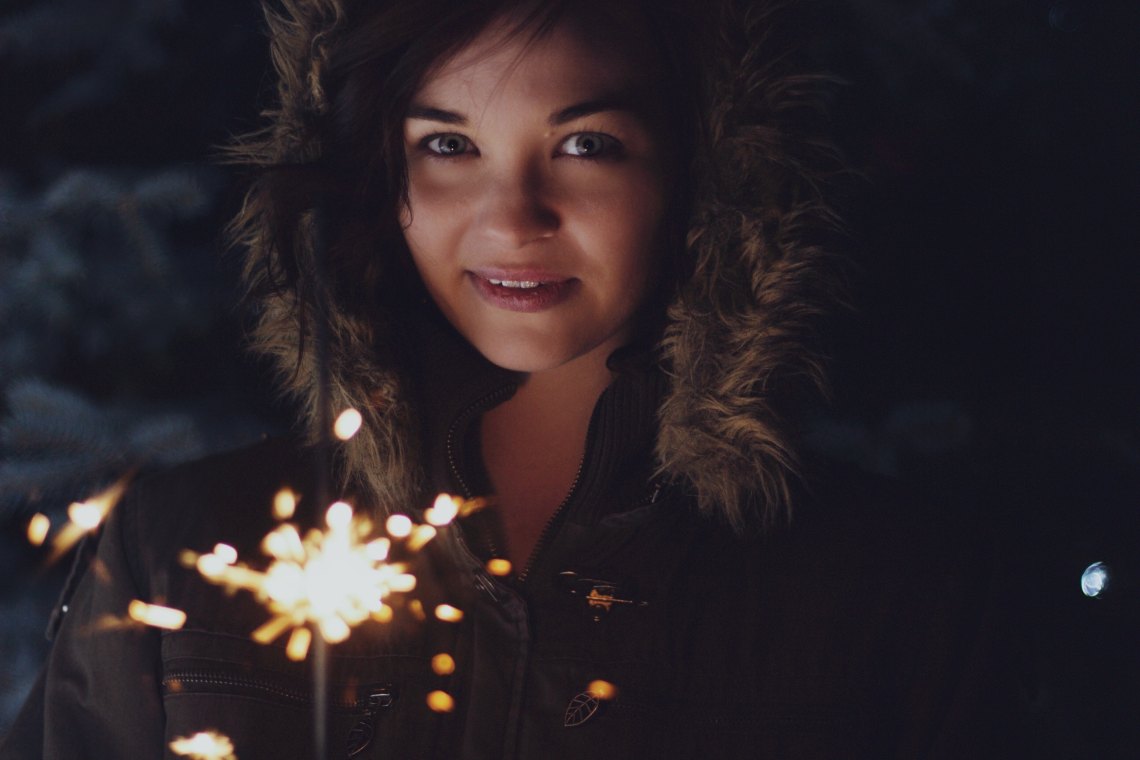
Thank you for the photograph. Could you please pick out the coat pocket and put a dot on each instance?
(264, 704)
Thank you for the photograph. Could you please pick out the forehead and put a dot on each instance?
(569, 62)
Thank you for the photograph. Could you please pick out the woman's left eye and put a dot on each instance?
(448, 145)
(589, 145)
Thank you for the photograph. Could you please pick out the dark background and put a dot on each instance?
(990, 359)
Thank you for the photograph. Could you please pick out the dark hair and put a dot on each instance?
(343, 169)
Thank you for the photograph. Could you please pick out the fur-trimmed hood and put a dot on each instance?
(739, 339)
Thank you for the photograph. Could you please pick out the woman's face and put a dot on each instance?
(536, 194)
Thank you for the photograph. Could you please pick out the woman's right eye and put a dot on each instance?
(448, 145)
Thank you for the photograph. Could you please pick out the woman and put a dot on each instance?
(567, 254)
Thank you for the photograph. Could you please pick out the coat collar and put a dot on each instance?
(455, 385)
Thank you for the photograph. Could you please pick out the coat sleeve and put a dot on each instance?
(99, 695)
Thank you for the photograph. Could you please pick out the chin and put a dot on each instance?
(519, 359)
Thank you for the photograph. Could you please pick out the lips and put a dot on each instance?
(522, 290)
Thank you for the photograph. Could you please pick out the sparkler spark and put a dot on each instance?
(38, 528)
(204, 745)
(441, 701)
(156, 615)
(443, 510)
(285, 504)
(85, 516)
(443, 664)
(327, 581)
(602, 690)
(347, 424)
(448, 614)
(499, 567)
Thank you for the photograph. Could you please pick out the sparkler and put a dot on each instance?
(327, 581)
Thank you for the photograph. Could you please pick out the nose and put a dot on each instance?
(515, 211)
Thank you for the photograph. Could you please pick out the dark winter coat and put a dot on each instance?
(857, 632)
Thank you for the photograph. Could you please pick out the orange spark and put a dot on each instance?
(443, 510)
(347, 424)
(284, 504)
(448, 614)
(38, 528)
(440, 702)
(85, 516)
(443, 664)
(156, 615)
(204, 745)
(600, 689)
(499, 566)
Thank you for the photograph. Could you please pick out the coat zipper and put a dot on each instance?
(376, 695)
(483, 403)
(556, 518)
(548, 530)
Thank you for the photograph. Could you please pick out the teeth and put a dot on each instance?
(515, 283)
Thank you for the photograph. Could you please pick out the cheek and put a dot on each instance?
(624, 228)
(431, 225)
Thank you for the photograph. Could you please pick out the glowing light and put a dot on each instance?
(85, 516)
(204, 745)
(38, 528)
(448, 614)
(325, 583)
(1095, 579)
(347, 424)
(284, 504)
(156, 615)
(378, 549)
(498, 566)
(471, 506)
(339, 516)
(419, 537)
(211, 566)
(298, 647)
(225, 553)
(440, 702)
(443, 664)
(399, 526)
(602, 689)
(403, 582)
(443, 510)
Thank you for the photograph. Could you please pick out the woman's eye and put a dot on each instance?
(589, 145)
(448, 145)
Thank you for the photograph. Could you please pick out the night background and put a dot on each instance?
(991, 358)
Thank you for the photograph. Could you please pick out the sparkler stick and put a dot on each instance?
(324, 459)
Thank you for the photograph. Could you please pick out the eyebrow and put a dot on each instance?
(615, 102)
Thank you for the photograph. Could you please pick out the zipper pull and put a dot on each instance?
(365, 729)
(486, 585)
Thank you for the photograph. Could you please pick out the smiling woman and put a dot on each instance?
(536, 222)
(568, 256)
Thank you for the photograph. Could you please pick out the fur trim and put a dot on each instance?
(740, 334)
